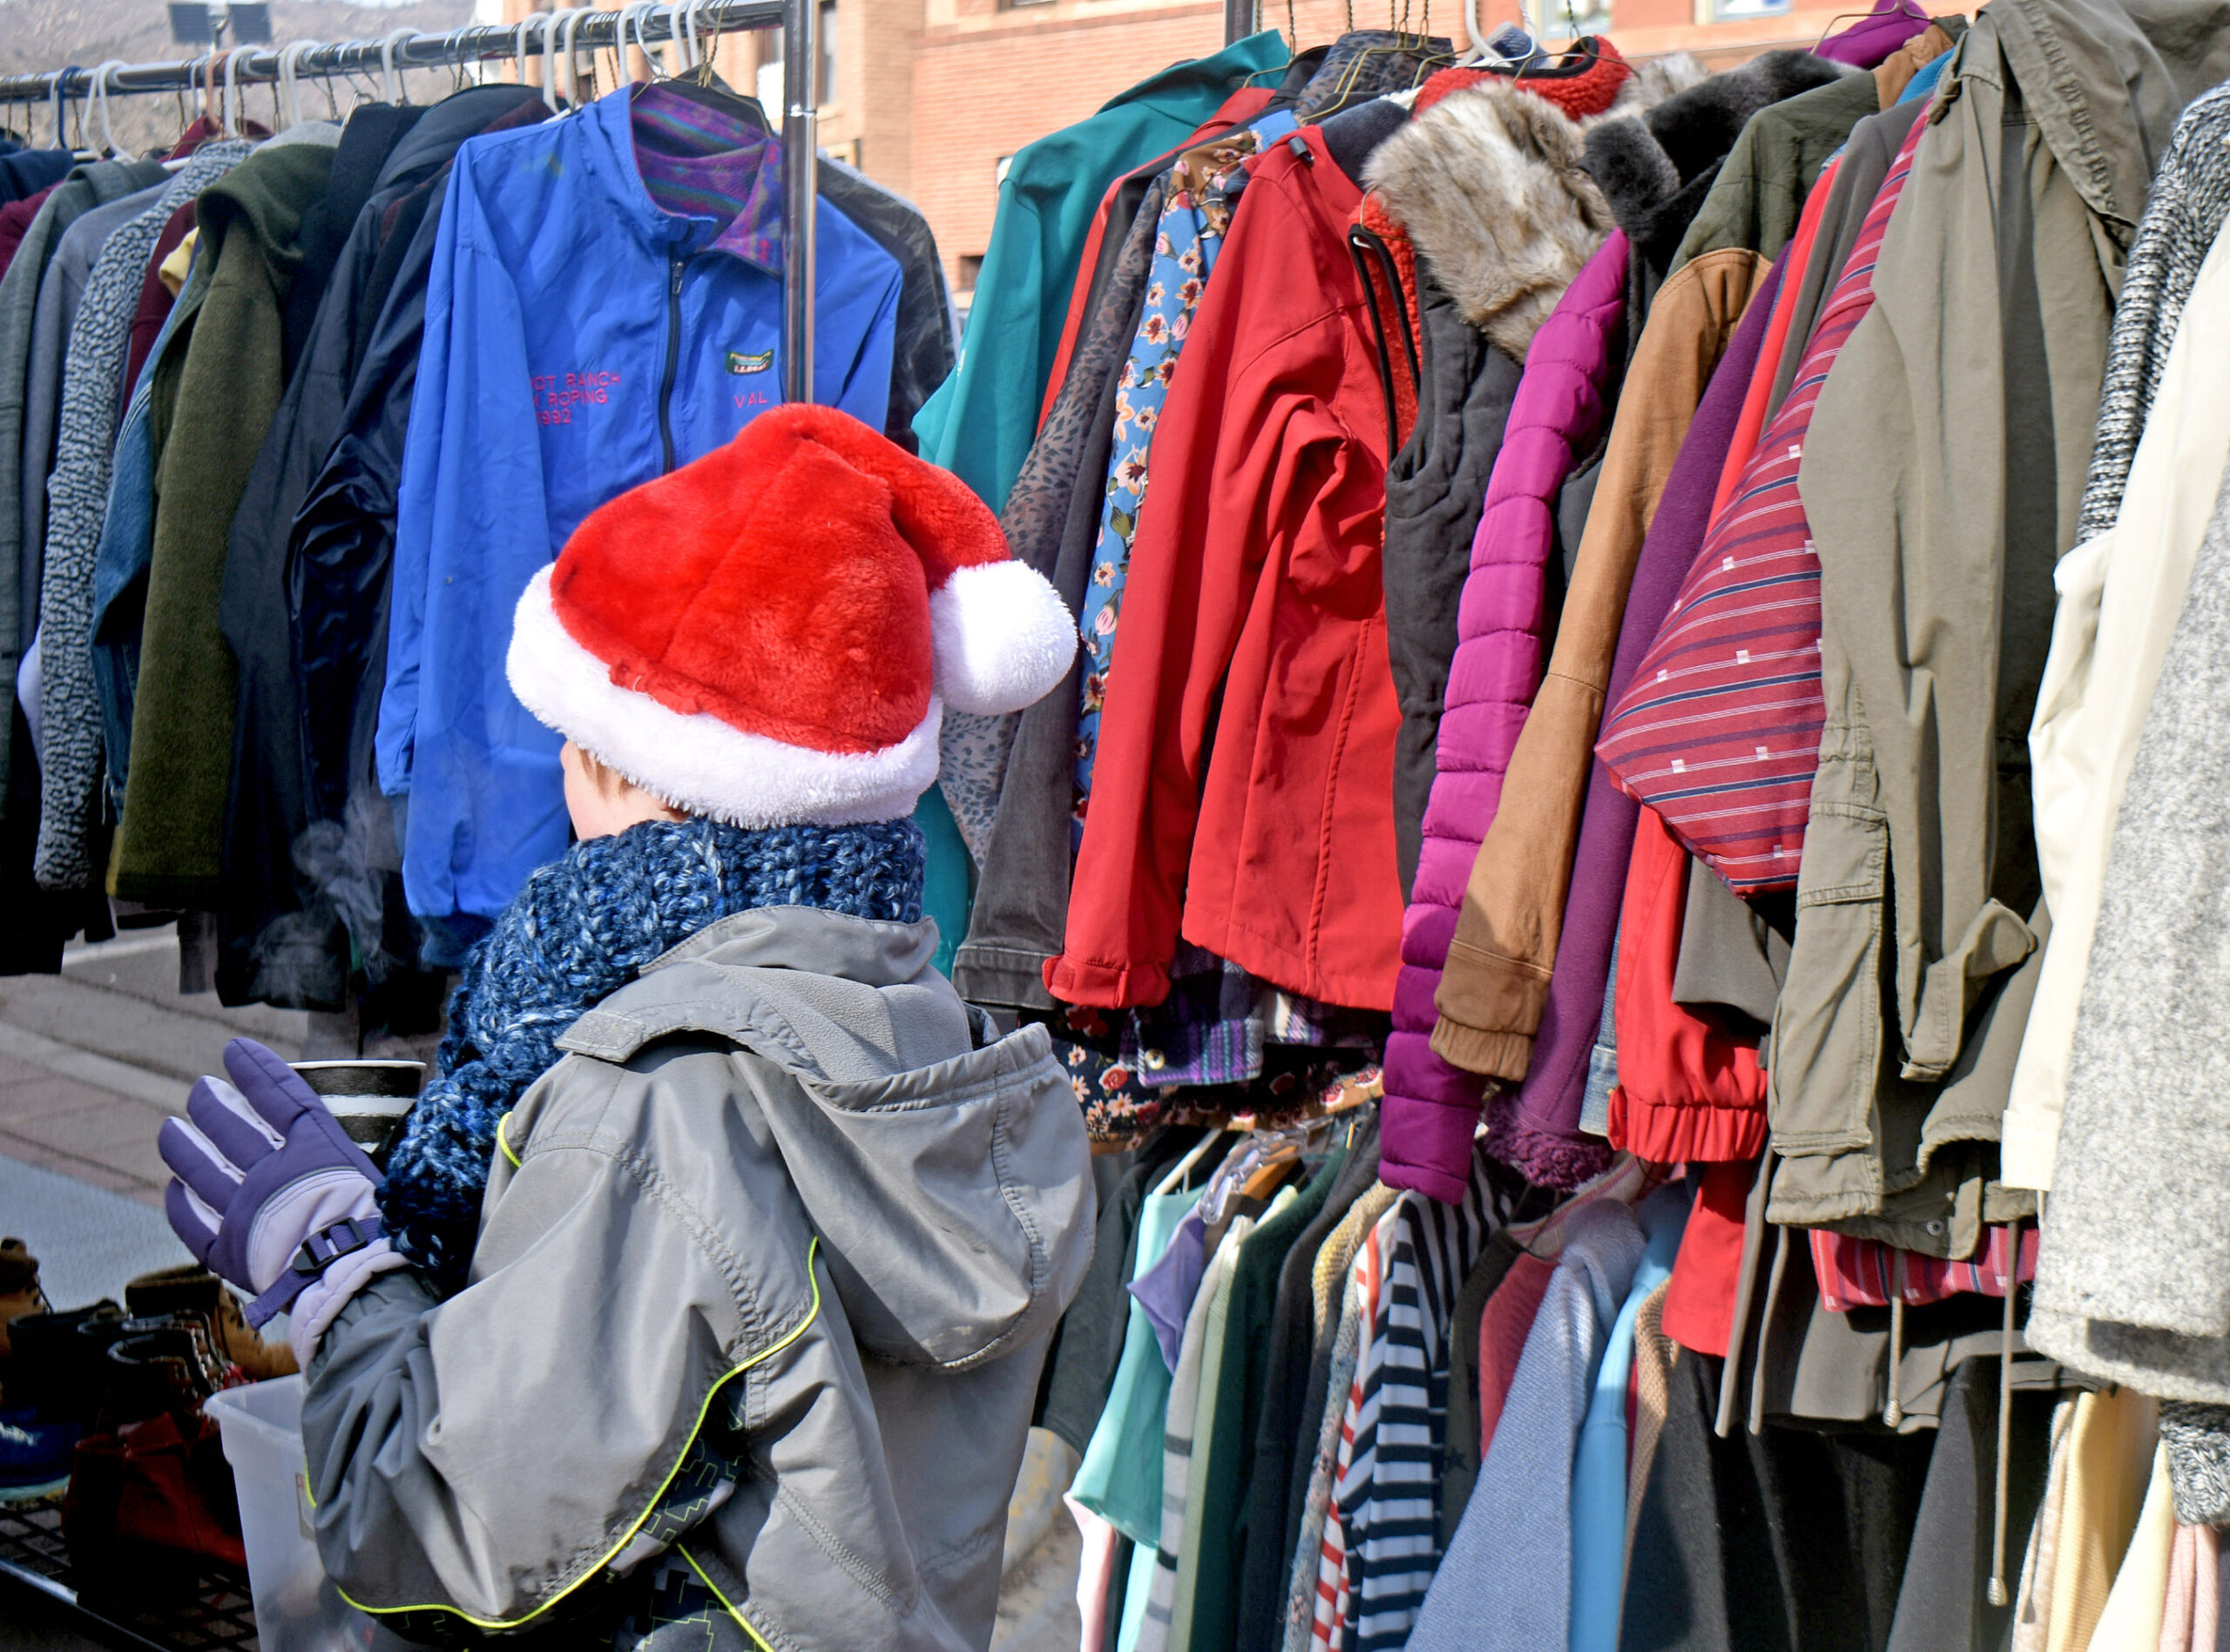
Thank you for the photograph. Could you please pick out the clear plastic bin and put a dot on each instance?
(297, 1610)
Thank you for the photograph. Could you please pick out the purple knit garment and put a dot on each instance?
(1867, 42)
(1537, 1129)
(1431, 1110)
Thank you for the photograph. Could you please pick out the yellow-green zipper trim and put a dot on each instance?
(741, 1622)
(812, 1251)
(502, 1142)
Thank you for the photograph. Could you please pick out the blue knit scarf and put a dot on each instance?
(581, 928)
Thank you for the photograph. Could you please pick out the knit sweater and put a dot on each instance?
(85, 188)
(77, 506)
(2190, 196)
(2133, 1274)
(581, 928)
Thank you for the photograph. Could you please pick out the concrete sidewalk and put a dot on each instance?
(92, 1059)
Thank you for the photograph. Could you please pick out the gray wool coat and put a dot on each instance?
(85, 188)
(2134, 1276)
(76, 497)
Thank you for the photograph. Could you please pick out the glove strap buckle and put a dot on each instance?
(319, 1252)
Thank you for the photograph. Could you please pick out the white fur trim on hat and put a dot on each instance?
(1002, 637)
(695, 761)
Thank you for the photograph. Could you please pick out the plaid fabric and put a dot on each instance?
(1720, 729)
(1864, 1273)
(1207, 1031)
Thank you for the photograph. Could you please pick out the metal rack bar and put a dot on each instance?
(477, 43)
(801, 164)
(569, 32)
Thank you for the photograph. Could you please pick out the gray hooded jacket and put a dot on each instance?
(764, 1279)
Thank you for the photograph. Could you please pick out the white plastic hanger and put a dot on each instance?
(99, 93)
(568, 23)
(230, 110)
(1183, 1166)
(633, 12)
(290, 85)
(392, 91)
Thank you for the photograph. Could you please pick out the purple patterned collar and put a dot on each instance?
(700, 163)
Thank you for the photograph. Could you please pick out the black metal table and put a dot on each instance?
(204, 1608)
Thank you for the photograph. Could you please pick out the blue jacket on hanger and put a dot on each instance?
(606, 303)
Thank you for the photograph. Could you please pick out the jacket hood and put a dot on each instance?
(1656, 168)
(1489, 185)
(268, 193)
(944, 1169)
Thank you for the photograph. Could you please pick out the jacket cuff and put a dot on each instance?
(1011, 976)
(1504, 1055)
(1081, 981)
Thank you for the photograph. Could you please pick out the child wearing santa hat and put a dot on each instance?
(704, 1301)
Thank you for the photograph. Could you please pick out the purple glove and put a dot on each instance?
(272, 1195)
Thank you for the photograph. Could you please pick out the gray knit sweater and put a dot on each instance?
(2190, 196)
(92, 385)
(2133, 1278)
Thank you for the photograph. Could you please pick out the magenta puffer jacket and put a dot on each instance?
(1431, 1108)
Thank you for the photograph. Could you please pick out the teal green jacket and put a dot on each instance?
(980, 423)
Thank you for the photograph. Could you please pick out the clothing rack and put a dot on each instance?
(567, 32)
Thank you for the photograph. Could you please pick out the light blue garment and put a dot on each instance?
(1505, 1583)
(949, 880)
(1603, 1060)
(550, 380)
(1121, 1477)
(1924, 83)
(120, 563)
(1598, 1475)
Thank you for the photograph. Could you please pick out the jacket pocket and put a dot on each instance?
(1826, 1042)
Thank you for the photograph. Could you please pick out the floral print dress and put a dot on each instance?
(1186, 240)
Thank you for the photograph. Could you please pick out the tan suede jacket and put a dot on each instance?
(1497, 981)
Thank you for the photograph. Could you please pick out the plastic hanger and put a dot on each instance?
(1183, 1166)
(392, 88)
(99, 93)
(232, 104)
(568, 33)
(632, 13)
(289, 82)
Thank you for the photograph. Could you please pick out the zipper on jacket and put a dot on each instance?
(673, 362)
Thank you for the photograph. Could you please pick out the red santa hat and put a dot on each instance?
(769, 636)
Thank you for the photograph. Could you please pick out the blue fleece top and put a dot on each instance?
(572, 257)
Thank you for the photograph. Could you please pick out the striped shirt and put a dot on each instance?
(1387, 1494)
(1718, 730)
(1866, 1273)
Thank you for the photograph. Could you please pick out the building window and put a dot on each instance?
(768, 82)
(999, 171)
(1738, 10)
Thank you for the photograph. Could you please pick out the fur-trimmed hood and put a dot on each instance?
(1655, 168)
(1488, 182)
(1492, 186)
